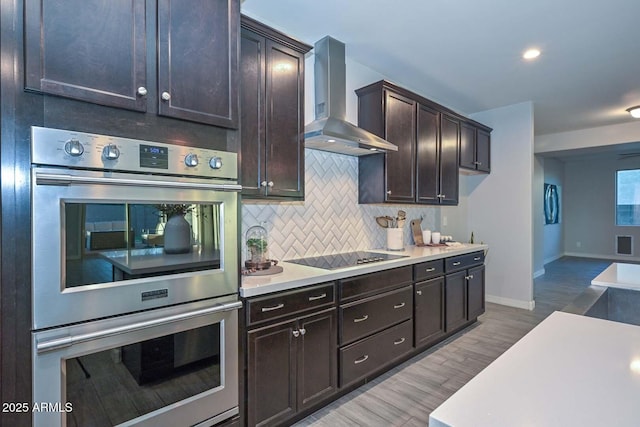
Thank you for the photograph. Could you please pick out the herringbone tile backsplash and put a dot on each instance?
(330, 220)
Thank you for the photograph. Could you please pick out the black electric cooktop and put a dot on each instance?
(347, 259)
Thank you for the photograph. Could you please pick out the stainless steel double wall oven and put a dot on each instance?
(135, 281)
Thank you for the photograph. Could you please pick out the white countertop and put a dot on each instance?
(619, 275)
(295, 276)
(568, 371)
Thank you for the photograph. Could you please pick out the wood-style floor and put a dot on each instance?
(407, 394)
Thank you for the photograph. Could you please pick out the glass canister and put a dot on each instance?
(257, 243)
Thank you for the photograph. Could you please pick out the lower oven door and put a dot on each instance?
(176, 366)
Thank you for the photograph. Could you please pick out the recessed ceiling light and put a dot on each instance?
(531, 54)
(634, 111)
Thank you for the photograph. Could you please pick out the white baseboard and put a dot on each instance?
(613, 257)
(527, 305)
(539, 273)
(553, 258)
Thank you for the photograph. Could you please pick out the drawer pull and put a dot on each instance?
(419, 292)
(317, 297)
(456, 263)
(275, 307)
(430, 269)
(477, 258)
(362, 359)
(400, 341)
(296, 333)
(469, 277)
(303, 331)
(399, 305)
(361, 319)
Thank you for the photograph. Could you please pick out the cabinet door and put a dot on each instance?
(252, 65)
(89, 50)
(317, 358)
(467, 146)
(271, 373)
(450, 134)
(429, 311)
(284, 132)
(455, 300)
(483, 151)
(400, 125)
(428, 172)
(475, 292)
(198, 60)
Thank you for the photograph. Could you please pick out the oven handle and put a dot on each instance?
(68, 341)
(64, 179)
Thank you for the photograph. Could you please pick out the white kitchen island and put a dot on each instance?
(619, 275)
(569, 371)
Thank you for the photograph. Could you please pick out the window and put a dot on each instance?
(628, 197)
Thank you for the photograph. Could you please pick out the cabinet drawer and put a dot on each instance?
(286, 303)
(370, 354)
(374, 283)
(374, 314)
(428, 270)
(462, 262)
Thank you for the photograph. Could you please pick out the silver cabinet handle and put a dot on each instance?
(361, 319)
(275, 307)
(477, 258)
(389, 192)
(419, 292)
(303, 331)
(317, 297)
(399, 305)
(142, 91)
(263, 184)
(456, 263)
(270, 183)
(296, 333)
(471, 276)
(477, 163)
(400, 341)
(362, 359)
(430, 269)
(166, 96)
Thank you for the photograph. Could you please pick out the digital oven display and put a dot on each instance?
(154, 157)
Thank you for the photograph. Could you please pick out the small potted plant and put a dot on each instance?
(177, 231)
(257, 254)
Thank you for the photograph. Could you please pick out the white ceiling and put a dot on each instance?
(466, 54)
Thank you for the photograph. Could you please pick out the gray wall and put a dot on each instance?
(589, 208)
(538, 224)
(500, 205)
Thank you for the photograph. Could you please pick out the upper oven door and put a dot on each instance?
(99, 243)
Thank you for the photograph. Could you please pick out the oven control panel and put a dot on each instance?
(58, 147)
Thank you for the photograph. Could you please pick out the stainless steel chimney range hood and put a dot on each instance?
(330, 131)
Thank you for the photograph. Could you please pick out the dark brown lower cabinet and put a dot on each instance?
(456, 300)
(475, 292)
(291, 366)
(369, 355)
(429, 311)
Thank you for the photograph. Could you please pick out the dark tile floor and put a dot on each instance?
(407, 394)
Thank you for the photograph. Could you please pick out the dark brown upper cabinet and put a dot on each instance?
(110, 52)
(475, 148)
(272, 118)
(424, 170)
